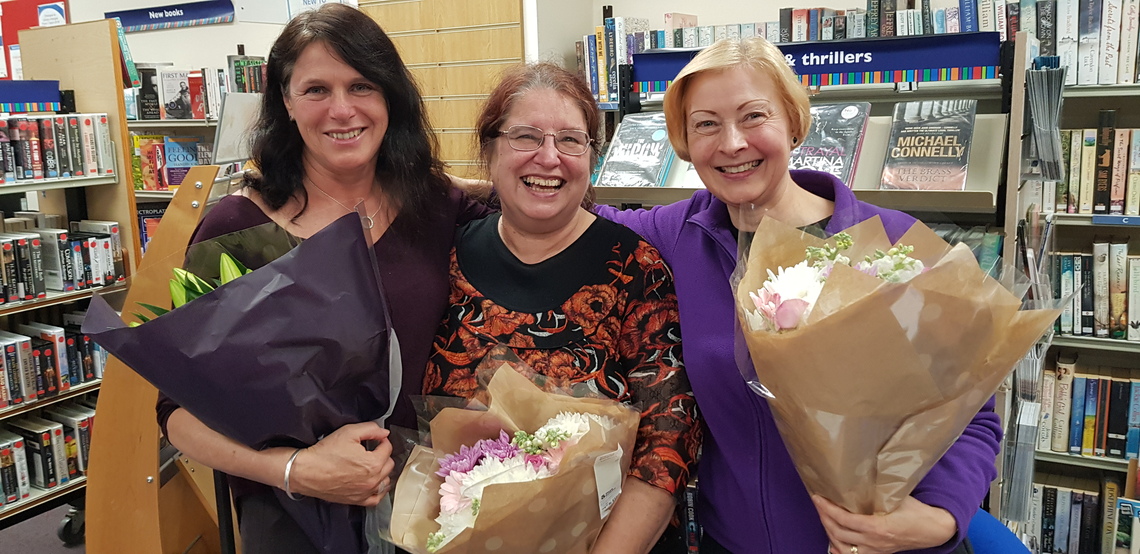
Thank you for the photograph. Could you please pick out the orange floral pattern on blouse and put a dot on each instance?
(620, 338)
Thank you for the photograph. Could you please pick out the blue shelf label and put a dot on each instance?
(1126, 220)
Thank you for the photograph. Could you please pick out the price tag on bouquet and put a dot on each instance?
(608, 474)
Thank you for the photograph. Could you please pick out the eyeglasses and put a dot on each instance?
(525, 138)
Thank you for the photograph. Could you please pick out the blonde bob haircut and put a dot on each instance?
(756, 53)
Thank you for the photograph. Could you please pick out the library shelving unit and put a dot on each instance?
(1075, 233)
(83, 58)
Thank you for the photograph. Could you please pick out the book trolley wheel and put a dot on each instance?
(71, 529)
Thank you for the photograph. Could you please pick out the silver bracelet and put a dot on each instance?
(288, 470)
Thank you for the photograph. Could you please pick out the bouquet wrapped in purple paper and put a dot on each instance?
(282, 356)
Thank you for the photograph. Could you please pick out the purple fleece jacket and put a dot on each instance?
(751, 500)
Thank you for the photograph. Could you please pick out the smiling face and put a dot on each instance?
(342, 117)
(738, 136)
(540, 191)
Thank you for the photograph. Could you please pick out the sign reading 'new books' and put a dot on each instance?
(929, 146)
(189, 14)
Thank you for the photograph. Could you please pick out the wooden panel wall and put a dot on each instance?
(456, 50)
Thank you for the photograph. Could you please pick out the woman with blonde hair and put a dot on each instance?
(737, 111)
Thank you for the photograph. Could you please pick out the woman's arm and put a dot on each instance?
(639, 517)
(337, 469)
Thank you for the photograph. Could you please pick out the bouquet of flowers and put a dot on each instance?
(917, 339)
(281, 356)
(489, 483)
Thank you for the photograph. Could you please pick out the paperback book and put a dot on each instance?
(834, 141)
(639, 154)
(929, 145)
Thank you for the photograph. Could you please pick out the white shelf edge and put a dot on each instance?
(53, 184)
(154, 195)
(72, 392)
(40, 496)
(55, 297)
(170, 123)
(1095, 462)
(1092, 91)
(1086, 220)
(1115, 345)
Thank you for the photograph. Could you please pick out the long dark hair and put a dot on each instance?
(407, 163)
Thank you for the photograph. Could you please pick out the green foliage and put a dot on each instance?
(186, 286)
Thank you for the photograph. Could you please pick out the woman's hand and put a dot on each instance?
(340, 469)
(912, 526)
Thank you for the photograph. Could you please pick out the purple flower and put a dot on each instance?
(468, 457)
(500, 448)
(462, 461)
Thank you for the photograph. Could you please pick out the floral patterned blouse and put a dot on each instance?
(601, 314)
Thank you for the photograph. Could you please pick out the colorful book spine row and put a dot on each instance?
(1102, 171)
(51, 147)
(1089, 411)
(901, 76)
(23, 107)
(1070, 514)
(44, 450)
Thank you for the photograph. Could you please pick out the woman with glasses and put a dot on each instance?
(584, 302)
(737, 111)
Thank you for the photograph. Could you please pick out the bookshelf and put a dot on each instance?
(84, 58)
(171, 123)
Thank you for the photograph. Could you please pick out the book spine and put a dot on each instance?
(874, 8)
(1078, 293)
(1119, 171)
(1104, 399)
(23, 478)
(1118, 290)
(1047, 422)
(1046, 26)
(1134, 298)
(1066, 290)
(1121, 396)
(32, 129)
(90, 148)
(1074, 178)
(1088, 49)
(1109, 41)
(59, 453)
(1088, 297)
(1077, 415)
(1100, 289)
(1067, 36)
(1105, 145)
(591, 45)
(887, 18)
(1129, 41)
(24, 265)
(49, 155)
(1111, 493)
(105, 154)
(1048, 518)
(75, 141)
(986, 16)
(786, 17)
(1088, 438)
(1090, 514)
(1132, 189)
(1132, 442)
(1061, 518)
(1012, 18)
(968, 14)
(1062, 406)
(63, 146)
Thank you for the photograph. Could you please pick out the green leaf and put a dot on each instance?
(141, 319)
(177, 292)
(229, 268)
(156, 310)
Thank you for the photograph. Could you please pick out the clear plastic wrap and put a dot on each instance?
(562, 512)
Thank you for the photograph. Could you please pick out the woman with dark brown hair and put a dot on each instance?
(584, 302)
(341, 123)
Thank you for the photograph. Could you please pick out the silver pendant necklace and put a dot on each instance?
(368, 220)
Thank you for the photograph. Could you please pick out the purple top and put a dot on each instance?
(751, 499)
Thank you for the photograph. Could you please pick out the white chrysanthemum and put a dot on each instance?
(799, 281)
(570, 425)
(896, 268)
(451, 525)
(493, 471)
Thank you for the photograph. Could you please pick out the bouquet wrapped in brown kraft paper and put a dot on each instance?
(535, 472)
(874, 357)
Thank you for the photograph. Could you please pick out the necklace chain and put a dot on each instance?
(368, 219)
